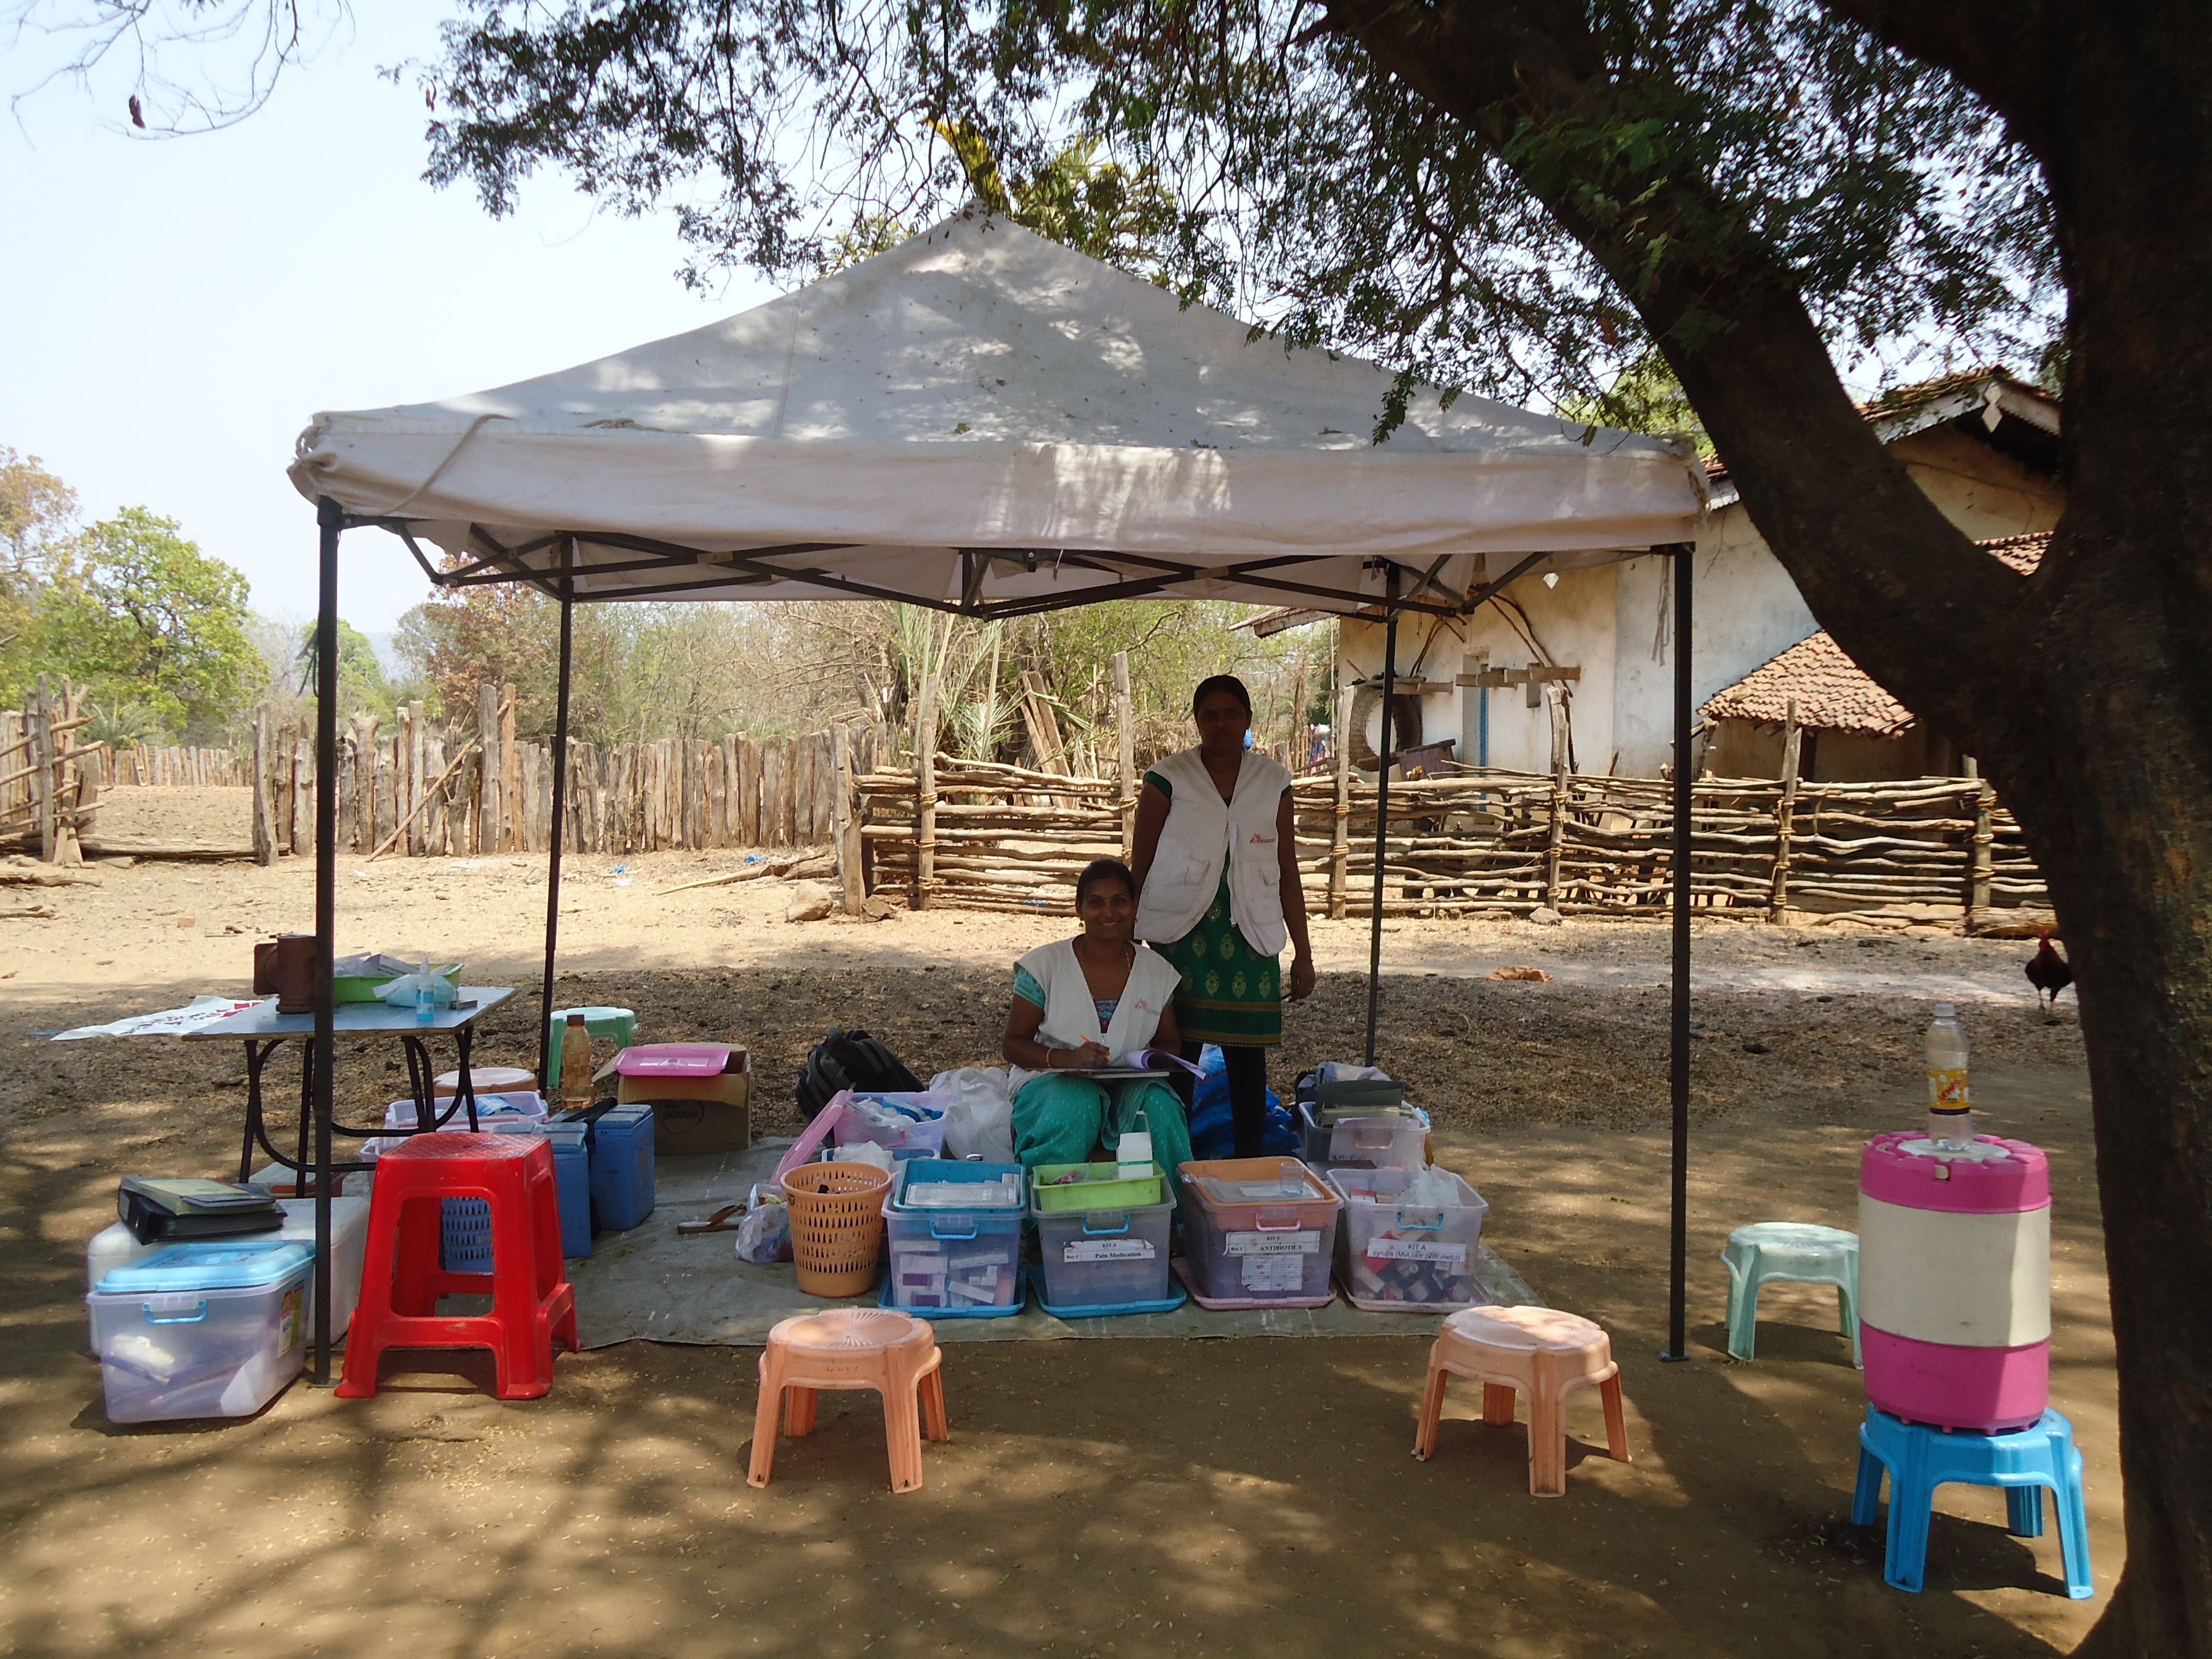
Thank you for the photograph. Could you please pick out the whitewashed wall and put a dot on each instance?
(1615, 623)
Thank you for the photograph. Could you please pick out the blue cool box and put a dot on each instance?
(621, 1167)
(571, 1182)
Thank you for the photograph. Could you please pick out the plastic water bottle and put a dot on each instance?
(576, 1066)
(1950, 1102)
(425, 998)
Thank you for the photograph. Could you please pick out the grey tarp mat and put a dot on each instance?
(655, 1283)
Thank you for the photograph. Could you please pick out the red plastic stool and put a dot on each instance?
(534, 1305)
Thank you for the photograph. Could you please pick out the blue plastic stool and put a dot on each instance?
(1797, 1251)
(1919, 1459)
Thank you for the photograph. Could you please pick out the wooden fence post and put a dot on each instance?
(925, 795)
(487, 769)
(264, 831)
(1339, 847)
(418, 777)
(66, 780)
(38, 725)
(364, 782)
(749, 792)
(844, 811)
(1985, 859)
(1785, 812)
(1125, 732)
(1555, 700)
(510, 776)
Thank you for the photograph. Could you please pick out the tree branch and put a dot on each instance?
(1897, 584)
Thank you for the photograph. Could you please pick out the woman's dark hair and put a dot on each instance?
(1213, 683)
(1100, 870)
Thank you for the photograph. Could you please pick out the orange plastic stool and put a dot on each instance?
(534, 1305)
(1545, 1355)
(894, 1353)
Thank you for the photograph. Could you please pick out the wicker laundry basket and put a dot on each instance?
(836, 1225)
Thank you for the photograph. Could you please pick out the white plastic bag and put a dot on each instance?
(979, 1122)
(400, 994)
(764, 1235)
(860, 1151)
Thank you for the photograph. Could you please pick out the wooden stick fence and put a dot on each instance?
(150, 766)
(1009, 838)
(410, 790)
(49, 783)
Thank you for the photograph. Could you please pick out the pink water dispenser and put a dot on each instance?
(1954, 1280)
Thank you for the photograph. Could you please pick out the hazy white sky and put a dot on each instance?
(176, 310)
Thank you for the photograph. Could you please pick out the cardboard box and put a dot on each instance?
(695, 1113)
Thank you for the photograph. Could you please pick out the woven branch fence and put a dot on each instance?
(407, 790)
(1001, 837)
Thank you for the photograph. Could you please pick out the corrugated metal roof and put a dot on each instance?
(1833, 693)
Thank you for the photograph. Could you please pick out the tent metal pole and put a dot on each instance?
(322, 1053)
(1381, 817)
(557, 835)
(1679, 1042)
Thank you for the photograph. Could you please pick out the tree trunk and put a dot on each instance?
(2085, 690)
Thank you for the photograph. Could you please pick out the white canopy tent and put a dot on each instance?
(983, 419)
(984, 422)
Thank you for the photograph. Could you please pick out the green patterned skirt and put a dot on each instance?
(1230, 993)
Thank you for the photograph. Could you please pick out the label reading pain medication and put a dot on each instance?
(1109, 1249)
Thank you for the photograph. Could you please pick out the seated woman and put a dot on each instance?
(1084, 1003)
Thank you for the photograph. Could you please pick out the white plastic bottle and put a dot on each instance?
(1950, 1102)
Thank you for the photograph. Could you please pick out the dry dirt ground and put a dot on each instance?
(1237, 1498)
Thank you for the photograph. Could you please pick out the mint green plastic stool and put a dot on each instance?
(610, 1028)
(1796, 1251)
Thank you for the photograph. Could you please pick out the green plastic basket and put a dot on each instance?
(369, 988)
(1103, 1188)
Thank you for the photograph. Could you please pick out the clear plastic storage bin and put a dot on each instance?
(213, 1329)
(920, 1132)
(954, 1260)
(1383, 1140)
(1396, 1257)
(1106, 1261)
(112, 1247)
(1258, 1232)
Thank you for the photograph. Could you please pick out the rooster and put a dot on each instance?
(2048, 972)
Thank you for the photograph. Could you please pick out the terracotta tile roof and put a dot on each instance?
(1833, 693)
(2022, 553)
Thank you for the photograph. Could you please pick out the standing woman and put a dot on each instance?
(1216, 863)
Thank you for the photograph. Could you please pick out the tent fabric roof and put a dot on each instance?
(1833, 693)
(980, 415)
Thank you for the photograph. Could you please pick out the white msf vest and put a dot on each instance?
(1202, 830)
(1071, 1013)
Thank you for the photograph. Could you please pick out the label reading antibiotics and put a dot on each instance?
(1298, 1244)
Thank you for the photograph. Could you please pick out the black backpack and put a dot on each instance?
(850, 1060)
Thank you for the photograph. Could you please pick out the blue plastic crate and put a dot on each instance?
(1114, 1260)
(1109, 1310)
(952, 1261)
(464, 1234)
